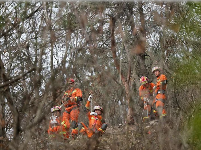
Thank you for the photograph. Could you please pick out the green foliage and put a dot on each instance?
(187, 61)
(70, 22)
(196, 6)
(2, 22)
(188, 70)
(191, 22)
(194, 129)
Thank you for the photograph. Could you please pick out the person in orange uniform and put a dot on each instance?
(97, 124)
(71, 100)
(160, 90)
(58, 124)
(145, 93)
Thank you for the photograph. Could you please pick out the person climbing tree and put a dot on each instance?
(97, 124)
(160, 90)
(146, 94)
(58, 125)
(71, 100)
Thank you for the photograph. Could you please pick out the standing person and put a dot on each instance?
(160, 90)
(58, 124)
(145, 93)
(96, 122)
(71, 100)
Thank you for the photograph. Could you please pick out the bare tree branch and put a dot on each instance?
(16, 78)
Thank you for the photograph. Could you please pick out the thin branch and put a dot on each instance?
(18, 22)
(17, 78)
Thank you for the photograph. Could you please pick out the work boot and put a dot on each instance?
(74, 133)
(159, 110)
(146, 119)
(83, 131)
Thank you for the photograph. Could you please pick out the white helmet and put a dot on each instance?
(155, 68)
(98, 108)
(55, 108)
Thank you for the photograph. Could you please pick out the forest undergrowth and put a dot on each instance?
(155, 134)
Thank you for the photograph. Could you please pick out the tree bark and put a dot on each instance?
(125, 81)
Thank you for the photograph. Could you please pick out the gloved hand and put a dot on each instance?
(93, 113)
(90, 98)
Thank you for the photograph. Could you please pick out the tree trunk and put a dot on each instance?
(123, 79)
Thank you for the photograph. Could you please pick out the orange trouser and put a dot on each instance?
(72, 113)
(147, 107)
(159, 102)
(58, 130)
(88, 131)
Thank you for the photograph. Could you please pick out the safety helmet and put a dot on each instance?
(155, 68)
(55, 108)
(143, 80)
(71, 80)
(98, 108)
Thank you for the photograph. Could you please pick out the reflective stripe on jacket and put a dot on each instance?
(161, 84)
(146, 92)
(72, 93)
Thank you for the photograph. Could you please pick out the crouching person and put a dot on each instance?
(97, 124)
(58, 125)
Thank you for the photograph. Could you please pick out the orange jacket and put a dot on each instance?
(73, 93)
(61, 126)
(161, 84)
(95, 121)
(95, 124)
(146, 92)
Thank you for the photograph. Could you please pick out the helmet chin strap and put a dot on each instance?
(158, 75)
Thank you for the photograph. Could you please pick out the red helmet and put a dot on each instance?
(71, 80)
(143, 80)
(55, 108)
